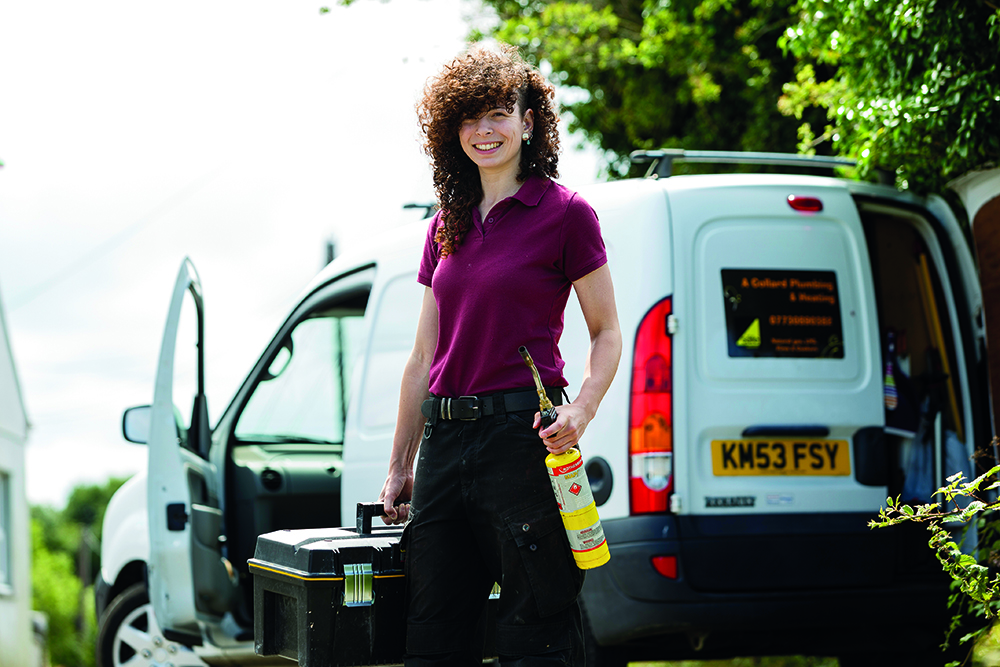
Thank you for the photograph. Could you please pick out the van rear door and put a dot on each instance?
(777, 388)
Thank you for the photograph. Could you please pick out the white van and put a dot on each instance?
(757, 422)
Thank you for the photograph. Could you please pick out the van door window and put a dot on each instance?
(286, 445)
(185, 380)
(303, 393)
(782, 300)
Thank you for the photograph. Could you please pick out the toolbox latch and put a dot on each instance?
(358, 585)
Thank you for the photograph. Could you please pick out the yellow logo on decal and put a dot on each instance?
(750, 337)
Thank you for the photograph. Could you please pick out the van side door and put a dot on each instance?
(182, 499)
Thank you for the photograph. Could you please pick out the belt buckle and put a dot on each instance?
(475, 409)
(447, 413)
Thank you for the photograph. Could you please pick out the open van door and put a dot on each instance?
(187, 575)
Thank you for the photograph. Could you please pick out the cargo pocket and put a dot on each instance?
(552, 574)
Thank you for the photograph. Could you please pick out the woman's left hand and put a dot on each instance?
(566, 431)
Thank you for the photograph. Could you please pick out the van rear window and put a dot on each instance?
(779, 313)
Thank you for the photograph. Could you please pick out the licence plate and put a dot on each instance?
(780, 457)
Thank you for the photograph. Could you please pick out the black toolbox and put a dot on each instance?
(335, 596)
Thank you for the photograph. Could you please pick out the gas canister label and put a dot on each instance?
(586, 539)
(572, 495)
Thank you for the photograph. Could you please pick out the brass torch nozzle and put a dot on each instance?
(544, 404)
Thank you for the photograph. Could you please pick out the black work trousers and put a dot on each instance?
(483, 511)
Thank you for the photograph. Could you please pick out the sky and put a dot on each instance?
(244, 135)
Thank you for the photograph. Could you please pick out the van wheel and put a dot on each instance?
(129, 634)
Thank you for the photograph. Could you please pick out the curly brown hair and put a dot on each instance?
(470, 85)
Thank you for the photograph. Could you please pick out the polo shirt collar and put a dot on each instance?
(530, 193)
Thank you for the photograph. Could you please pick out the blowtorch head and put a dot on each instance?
(544, 404)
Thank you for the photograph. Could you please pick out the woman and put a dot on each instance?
(499, 261)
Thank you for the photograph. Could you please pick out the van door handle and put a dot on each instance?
(786, 430)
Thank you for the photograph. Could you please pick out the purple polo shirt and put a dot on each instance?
(505, 286)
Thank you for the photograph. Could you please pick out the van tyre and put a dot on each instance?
(128, 633)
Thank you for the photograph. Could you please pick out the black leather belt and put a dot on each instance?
(469, 408)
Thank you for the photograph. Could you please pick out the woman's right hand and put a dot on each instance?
(398, 485)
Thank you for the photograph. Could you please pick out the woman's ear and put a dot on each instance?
(529, 121)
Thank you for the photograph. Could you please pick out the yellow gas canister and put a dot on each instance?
(572, 488)
(578, 509)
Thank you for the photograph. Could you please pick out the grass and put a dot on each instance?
(776, 661)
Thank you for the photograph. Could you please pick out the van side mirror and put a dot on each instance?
(135, 424)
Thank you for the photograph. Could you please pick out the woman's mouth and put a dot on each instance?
(493, 145)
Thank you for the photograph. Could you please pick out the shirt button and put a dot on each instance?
(525, 527)
(534, 547)
(490, 220)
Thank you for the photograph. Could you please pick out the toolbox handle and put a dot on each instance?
(366, 512)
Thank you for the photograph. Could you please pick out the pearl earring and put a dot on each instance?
(526, 137)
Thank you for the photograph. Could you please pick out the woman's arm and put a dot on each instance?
(409, 421)
(597, 299)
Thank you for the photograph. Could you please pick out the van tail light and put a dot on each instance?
(665, 565)
(651, 441)
(805, 204)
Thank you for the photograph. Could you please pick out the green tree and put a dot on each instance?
(58, 535)
(56, 591)
(87, 503)
(908, 86)
(703, 74)
(64, 542)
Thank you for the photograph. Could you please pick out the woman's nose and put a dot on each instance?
(483, 128)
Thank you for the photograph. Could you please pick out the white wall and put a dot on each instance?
(16, 638)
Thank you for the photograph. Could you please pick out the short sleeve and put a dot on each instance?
(583, 246)
(429, 260)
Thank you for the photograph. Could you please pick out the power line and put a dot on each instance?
(168, 204)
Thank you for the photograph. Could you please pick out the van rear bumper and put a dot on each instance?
(772, 604)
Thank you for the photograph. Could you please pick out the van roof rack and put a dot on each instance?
(662, 160)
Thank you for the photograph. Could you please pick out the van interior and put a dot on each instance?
(286, 445)
(925, 396)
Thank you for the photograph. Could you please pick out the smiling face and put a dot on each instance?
(493, 140)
